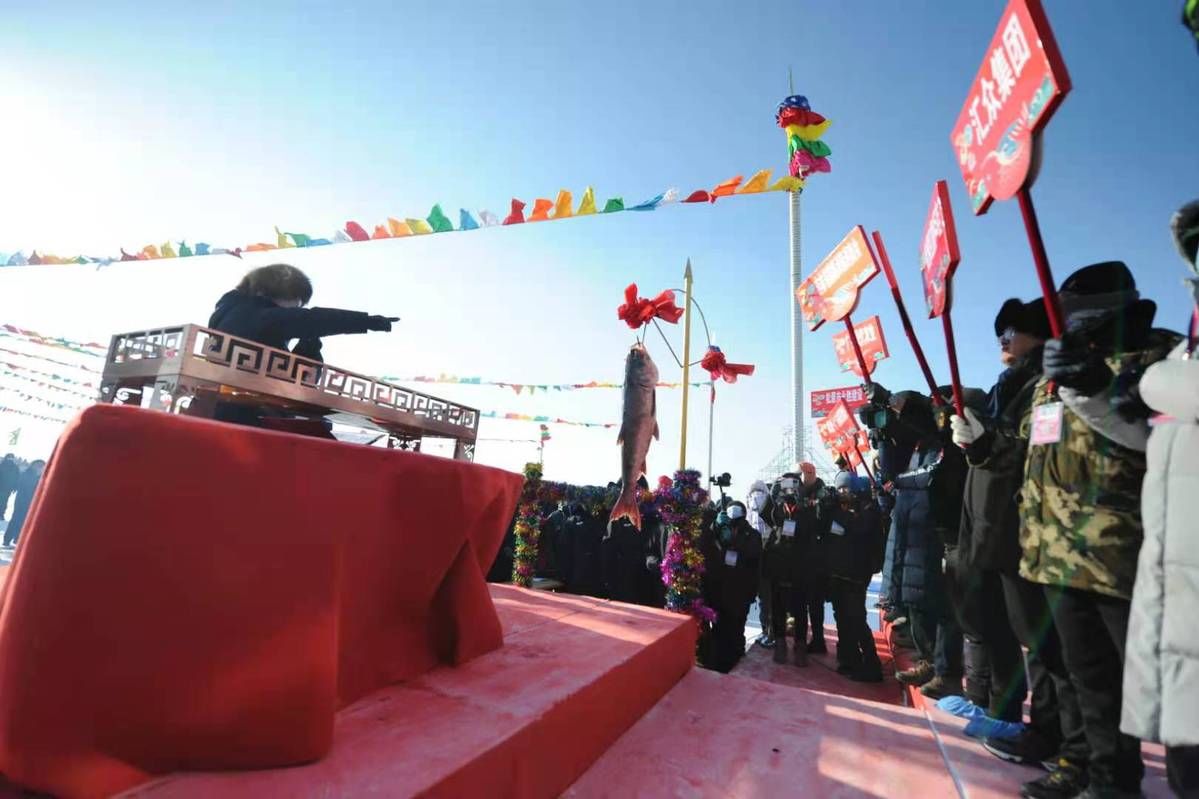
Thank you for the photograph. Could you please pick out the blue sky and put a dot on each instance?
(132, 126)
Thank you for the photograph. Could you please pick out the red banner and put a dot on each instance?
(1021, 82)
(939, 254)
(824, 401)
(870, 339)
(830, 293)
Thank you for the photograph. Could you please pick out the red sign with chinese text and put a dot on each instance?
(1021, 82)
(870, 339)
(830, 293)
(824, 401)
(844, 426)
(939, 255)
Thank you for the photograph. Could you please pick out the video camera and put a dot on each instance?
(721, 480)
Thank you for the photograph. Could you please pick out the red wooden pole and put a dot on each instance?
(952, 350)
(903, 316)
(1048, 288)
(865, 465)
(857, 350)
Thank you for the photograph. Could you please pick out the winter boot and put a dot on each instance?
(867, 672)
(940, 687)
(780, 650)
(801, 655)
(817, 646)
(1065, 782)
(919, 674)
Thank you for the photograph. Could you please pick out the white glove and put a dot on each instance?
(966, 431)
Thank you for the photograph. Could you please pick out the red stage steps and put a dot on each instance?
(523, 721)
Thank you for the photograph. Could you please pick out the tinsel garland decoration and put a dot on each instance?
(528, 527)
(680, 504)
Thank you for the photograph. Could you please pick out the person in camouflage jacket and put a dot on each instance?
(1080, 515)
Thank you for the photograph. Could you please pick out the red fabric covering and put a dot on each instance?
(195, 595)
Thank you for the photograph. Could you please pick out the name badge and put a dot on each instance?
(789, 528)
(1047, 423)
(837, 529)
(730, 558)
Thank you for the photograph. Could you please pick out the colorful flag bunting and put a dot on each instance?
(517, 214)
(438, 221)
(586, 205)
(613, 205)
(562, 207)
(466, 221)
(541, 210)
(397, 228)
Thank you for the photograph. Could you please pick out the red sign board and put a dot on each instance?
(824, 401)
(939, 254)
(844, 426)
(1021, 82)
(830, 293)
(870, 339)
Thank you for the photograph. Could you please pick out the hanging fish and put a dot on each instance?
(638, 425)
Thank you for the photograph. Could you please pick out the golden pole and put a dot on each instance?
(686, 363)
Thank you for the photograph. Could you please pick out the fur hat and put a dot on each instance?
(1023, 317)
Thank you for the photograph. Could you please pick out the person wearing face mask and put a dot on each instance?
(267, 306)
(794, 519)
(755, 501)
(990, 557)
(1161, 666)
(854, 552)
(817, 577)
(731, 552)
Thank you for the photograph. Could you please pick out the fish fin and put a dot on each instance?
(626, 508)
(656, 434)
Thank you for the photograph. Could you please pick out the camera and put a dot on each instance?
(722, 480)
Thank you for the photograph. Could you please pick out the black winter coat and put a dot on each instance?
(259, 319)
(989, 537)
(928, 496)
(855, 542)
(798, 558)
(731, 567)
(9, 476)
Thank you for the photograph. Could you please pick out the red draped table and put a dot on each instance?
(192, 595)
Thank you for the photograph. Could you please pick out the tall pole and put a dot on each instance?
(686, 363)
(797, 395)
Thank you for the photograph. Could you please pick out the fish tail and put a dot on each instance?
(626, 508)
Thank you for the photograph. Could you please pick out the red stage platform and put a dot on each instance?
(524, 721)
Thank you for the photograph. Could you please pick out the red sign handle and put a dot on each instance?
(857, 349)
(952, 351)
(865, 465)
(1053, 306)
(904, 318)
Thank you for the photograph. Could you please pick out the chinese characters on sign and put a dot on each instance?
(824, 401)
(1019, 85)
(939, 255)
(830, 293)
(870, 339)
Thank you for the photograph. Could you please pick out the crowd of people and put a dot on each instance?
(17, 479)
(1042, 543)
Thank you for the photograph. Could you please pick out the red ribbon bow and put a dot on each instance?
(715, 364)
(638, 311)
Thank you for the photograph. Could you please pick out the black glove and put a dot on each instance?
(1073, 364)
(381, 323)
(1126, 397)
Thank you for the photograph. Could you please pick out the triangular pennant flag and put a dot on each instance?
(341, 237)
(356, 232)
(149, 252)
(649, 204)
(587, 204)
(562, 208)
(670, 196)
(419, 227)
(488, 219)
(281, 239)
(466, 221)
(184, 250)
(398, 229)
(18, 259)
(613, 205)
(439, 221)
(726, 188)
(755, 184)
(261, 246)
(698, 196)
(809, 132)
(817, 148)
(787, 183)
(541, 210)
(314, 242)
(381, 232)
(517, 216)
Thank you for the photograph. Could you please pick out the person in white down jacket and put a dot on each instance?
(1161, 670)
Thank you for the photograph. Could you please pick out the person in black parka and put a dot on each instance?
(732, 549)
(268, 307)
(854, 549)
(26, 488)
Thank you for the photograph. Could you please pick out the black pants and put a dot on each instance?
(1182, 770)
(984, 616)
(765, 614)
(1092, 629)
(728, 637)
(855, 641)
(789, 598)
(817, 595)
(1055, 715)
(938, 639)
